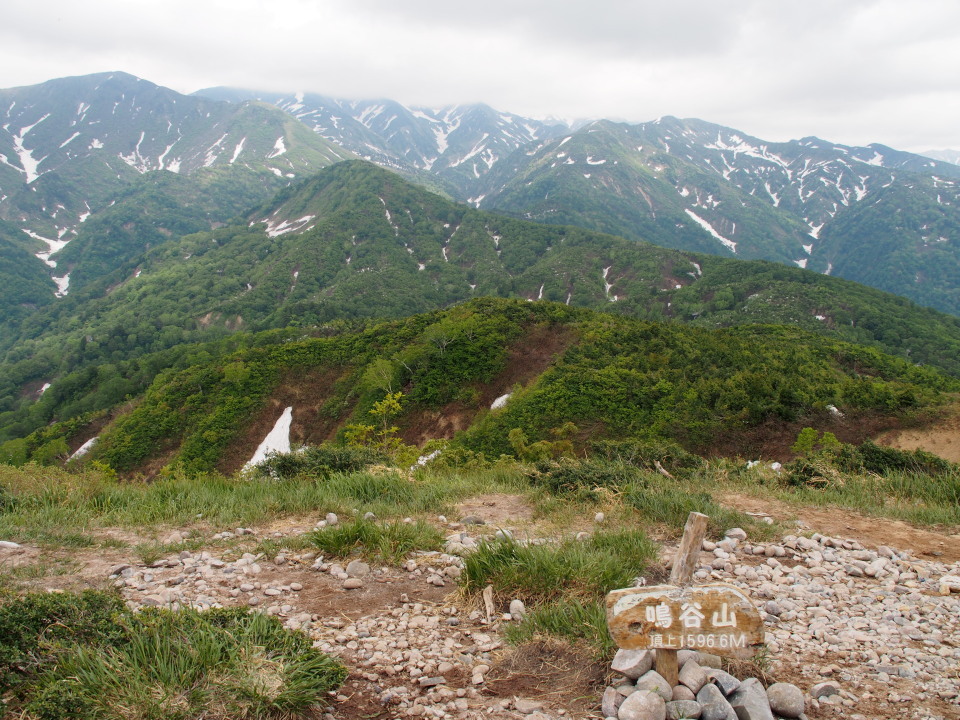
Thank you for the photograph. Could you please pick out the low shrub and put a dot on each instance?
(320, 461)
(386, 543)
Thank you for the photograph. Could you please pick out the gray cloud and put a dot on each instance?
(855, 71)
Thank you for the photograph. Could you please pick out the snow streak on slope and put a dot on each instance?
(709, 228)
(276, 441)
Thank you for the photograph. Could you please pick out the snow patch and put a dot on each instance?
(709, 228)
(500, 402)
(278, 148)
(275, 229)
(84, 449)
(237, 150)
(802, 263)
(276, 441)
(46, 386)
(808, 249)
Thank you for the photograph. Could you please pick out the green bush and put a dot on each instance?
(320, 461)
(582, 477)
(646, 453)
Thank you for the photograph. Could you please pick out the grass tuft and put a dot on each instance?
(386, 543)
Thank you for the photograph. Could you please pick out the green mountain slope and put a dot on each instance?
(613, 377)
(886, 218)
(358, 242)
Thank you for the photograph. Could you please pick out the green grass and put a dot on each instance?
(87, 656)
(568, 619)
(385, 543)
(50, 507)
(538, 574)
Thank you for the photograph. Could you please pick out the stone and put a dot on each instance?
(522, 705)
(678, 709)
(632, 663)
(426, 682)
(736, 533)
(713, 705)
(352, 584)
(724, 680)
(643, 705)
(682, 692)
(517, 609)
(473, 520)
(824, 689)
(786, 700)
(654, 682)
(693, 676)
(357, 568)
(331, 519)
(611, 702)
(750, 702)
(599, 518)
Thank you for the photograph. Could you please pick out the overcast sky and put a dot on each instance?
(850, 71)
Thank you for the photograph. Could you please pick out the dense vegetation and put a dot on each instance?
(381, 247)
(611, 377)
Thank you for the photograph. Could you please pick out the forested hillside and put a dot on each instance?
(357, 242)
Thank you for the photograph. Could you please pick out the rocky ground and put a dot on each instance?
(873, 631)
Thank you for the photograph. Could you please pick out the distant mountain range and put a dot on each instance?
(873, 214)
(950, 156)
(86, 150)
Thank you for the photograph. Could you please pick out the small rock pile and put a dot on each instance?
(704, 691)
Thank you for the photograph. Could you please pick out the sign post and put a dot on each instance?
(716, 617)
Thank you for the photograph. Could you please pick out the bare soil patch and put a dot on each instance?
(870, 531)
(497, 509)
(305, 391)
(555, 673)
(941, 437)
(528, 359)
(772, 439)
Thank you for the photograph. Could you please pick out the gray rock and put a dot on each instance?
(331, 519)
(678, 709)
(655, 682)
(632, 663)
(713, 705)
(750, 702)
(709, 660)
(693, 676)
(643, 706)
(611, 702)
(736, 533)
(8, 545)
(682, 692)
(527, 706)
(786, 700)
(517, 609)
(352, 583)
(473, 520)
(426, 682)
(357, 568)
(724, 680)
(824, 689)
(626, 689)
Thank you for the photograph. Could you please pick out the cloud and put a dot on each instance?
(853, 71)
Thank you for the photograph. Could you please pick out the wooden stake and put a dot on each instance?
(684, 563)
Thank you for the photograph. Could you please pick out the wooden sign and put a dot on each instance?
(716, 618)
